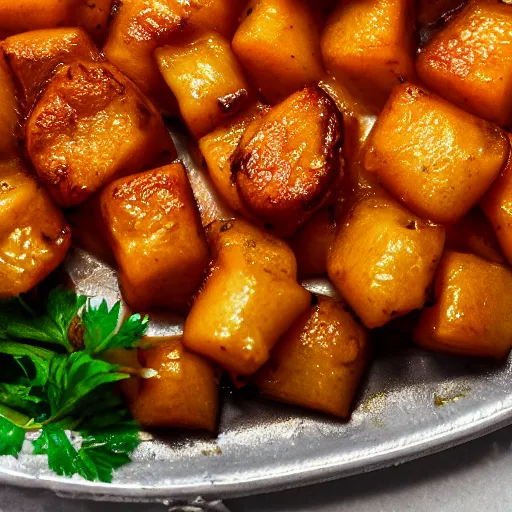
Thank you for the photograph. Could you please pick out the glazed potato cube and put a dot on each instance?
(9, 118)
(474, 234)
(312, 243)
(431, 11)
(22, 15)
(34, 236)
(435, 157)
(288, 161)
(137, 30)
(90, 126)
(278, 43)
(497, 205)
(34, 55)
(153, 224)
(184, 393)
(370, 46)
(206, 79)
(218, 148)
(93, 15)
(250, 298)
(383, 259)
(473, 311)
(218, 15)
(319, 362)
(469, 61)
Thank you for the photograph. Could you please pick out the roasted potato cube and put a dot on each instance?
(431, 11)
(218, 15)
(137, 30)
(435, 157)
(206, 79)
(157, 239)
(250, 298)
(288, 160)
(469, 62)
(278, 43)
(90, 126)
(93, 15)
(33, 56)
(319, 362)
(218, 148)
(383, 259)
(34, 236)
(312, 243)
(473, 311)
(474, 234)
(370, 46)
(184, 393)
(9, 119)
(23, 15)
(497, 205)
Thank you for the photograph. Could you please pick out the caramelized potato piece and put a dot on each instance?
(33, 56)
(34, 236)
(474, 234)
(91, 125)
(497, 205)
(312, 243)
(435, 157)
(250, 298)
(278, 43)
(288, 160)
(157, 239)
(319, 362)
(469, 62)
(93, 15)
(206, 79)
(9, 117)
(383, 259)
(218, 148)
(473, 312)
(218, 15)
(431, 11)
(137, 30)
(370, 46)
(184, 393)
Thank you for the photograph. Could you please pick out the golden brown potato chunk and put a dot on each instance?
(289, 160)
(33, 56)
(435, 157)
(9, 118)
(91, 125)
(469, 62)
(370, 47)
(206, 79)
(250, 298)
(278, 43)
(218, 148)
(137, 30)
(312, 243)
(218, 15)
(157, 239)
(474, 234)
(93, 15)
(34, 236)
(383, 259)
(431, 11)
(184, 393)
(497, 205)
(473, 311)
(319, 362)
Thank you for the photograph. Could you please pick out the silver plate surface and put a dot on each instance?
(263, 447)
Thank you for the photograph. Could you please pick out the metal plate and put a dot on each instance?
(263, 447)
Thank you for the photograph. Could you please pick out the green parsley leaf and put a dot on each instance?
(11, 438)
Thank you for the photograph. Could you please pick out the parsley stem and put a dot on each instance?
(18, 419)
(25, 306)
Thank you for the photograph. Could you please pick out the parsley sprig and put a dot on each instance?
(55, 381)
